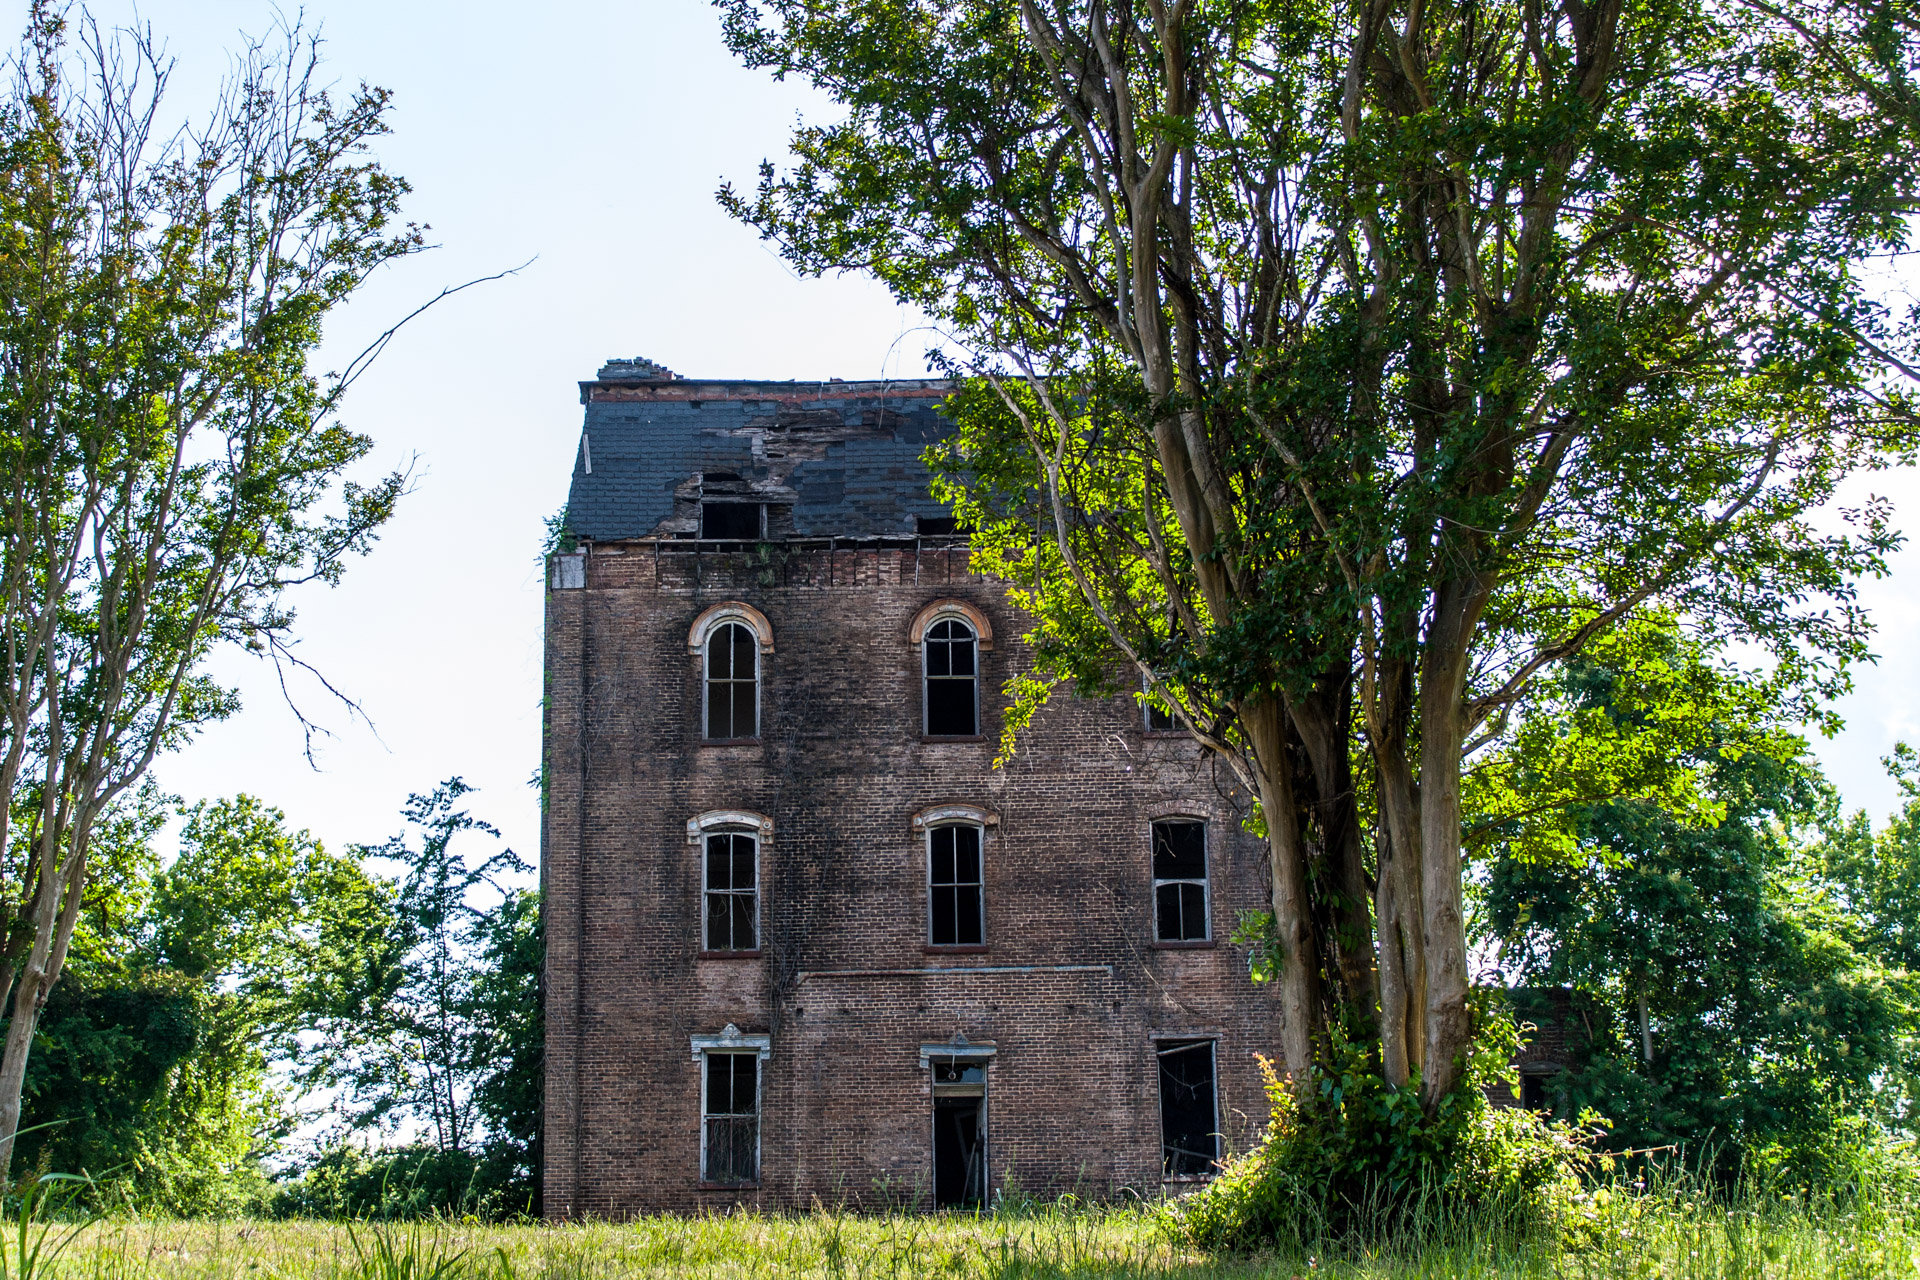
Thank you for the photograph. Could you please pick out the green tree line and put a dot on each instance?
(218, 997)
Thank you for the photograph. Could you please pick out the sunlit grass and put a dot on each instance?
(1616, 1235)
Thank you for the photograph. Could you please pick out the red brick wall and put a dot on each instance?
(841, 770)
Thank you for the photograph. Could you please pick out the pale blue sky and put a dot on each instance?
(591, 135)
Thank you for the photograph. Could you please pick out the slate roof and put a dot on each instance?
(838, 458)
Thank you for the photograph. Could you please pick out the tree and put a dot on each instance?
(158, 1061)
(168, 464)
(1733, 1001)
(426, 1048)
(1339, 370)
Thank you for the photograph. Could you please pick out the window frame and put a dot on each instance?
(928, 640)
(721, 627)
(1147, 709)
(745, 822)
(979, 828)
(1205, 881)
(737, 831)
(732, 1043)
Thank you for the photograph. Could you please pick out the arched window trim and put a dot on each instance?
(716, 820)
(956, 609)
(946, 815)
(728, 611)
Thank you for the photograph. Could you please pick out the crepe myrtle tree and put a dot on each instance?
(1337, 368)
(168, 465)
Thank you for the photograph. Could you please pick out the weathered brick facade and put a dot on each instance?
(1070, 995)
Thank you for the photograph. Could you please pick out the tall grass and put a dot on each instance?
(1668, 1228)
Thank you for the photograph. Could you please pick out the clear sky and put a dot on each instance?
(589, 137)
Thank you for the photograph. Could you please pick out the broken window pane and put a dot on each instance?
(732, 893)
(733, 689)
(735, 520)
(957, 894)
(1180, 881)
(1189, 1137)
(730, 1118)
(951, 705)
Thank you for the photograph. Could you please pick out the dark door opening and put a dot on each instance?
(959, 1133)
(1189, 1130)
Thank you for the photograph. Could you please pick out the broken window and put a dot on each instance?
(956, 887)
(733, 685)
(959, 1131)
(730, 1118)
(1180, 881)
(732, 893)
(740, 521)
(935, 526)
(1189, 1129)
(951, 705)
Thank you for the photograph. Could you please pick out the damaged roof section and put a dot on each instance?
(826, 458)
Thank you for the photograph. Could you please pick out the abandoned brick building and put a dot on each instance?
(804, 939)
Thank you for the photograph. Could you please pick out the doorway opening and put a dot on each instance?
(959, 1132)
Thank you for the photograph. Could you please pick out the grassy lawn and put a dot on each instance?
(1620, 1238)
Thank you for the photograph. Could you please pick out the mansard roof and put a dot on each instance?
(833, 458)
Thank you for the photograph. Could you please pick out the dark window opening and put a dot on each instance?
(1189, 1137)
(731, 520)
(951, 705)
(1159, 719)
(732, 894)
(730, 1118)
(1180, 881)
(938, 526)
(957, 888)
(1533, 1092)
(733, 703)
(959, 1132)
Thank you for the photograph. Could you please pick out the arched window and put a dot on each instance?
(733, 683)
(952, 672)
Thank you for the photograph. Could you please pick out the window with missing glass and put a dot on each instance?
(956, 887)
(1189, 1119)
(1180, 881)
(950, 653)
(732, 892)
(733, 683)
(741, 521)
(730, 1118)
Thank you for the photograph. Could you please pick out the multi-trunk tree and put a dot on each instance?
(1339, 369)
(169, 465)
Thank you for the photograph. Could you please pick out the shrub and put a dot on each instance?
(1363, 1161)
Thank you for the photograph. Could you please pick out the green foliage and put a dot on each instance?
(351, 1183)
(440, 1021)
(171, 465)
(154, 1060)
(1712, 933)
(1371, 1164)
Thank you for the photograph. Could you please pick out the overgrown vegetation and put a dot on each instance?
(1672, 1227)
